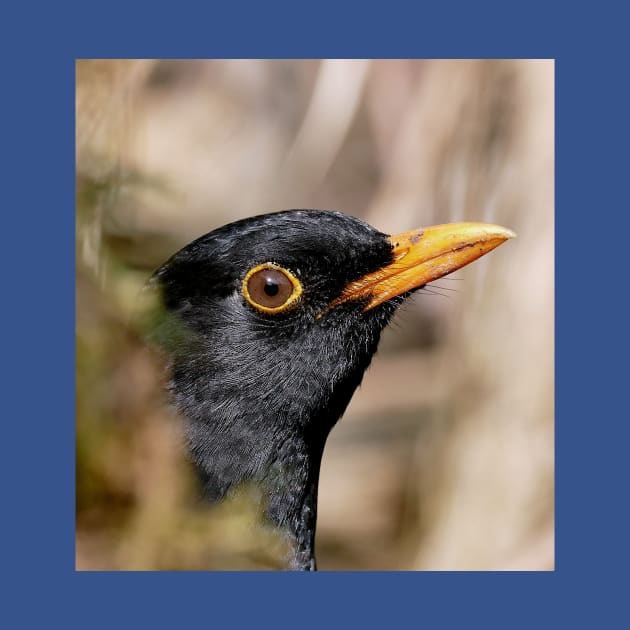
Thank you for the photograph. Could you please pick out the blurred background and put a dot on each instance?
(445, 457)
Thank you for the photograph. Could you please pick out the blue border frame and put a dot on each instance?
(38, 314)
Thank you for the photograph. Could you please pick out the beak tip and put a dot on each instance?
(498, 231)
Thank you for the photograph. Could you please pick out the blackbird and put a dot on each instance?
(269, 324)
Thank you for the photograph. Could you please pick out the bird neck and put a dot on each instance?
(292, 499)
(281, 465)
(268, 427)
(302, 555)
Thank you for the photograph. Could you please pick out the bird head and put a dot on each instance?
(270, 323)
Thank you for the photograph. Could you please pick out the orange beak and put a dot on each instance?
(424, 255)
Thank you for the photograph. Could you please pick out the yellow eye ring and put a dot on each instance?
(270, 288)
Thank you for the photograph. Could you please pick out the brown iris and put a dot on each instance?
(271, 288)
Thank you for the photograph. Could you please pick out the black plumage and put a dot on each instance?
(261, 389)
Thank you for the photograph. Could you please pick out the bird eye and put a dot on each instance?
(271, 288)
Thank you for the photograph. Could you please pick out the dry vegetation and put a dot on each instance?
(445, 458)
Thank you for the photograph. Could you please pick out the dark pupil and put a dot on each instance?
(271, 288)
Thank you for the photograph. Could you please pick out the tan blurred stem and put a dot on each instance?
(332, 108)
